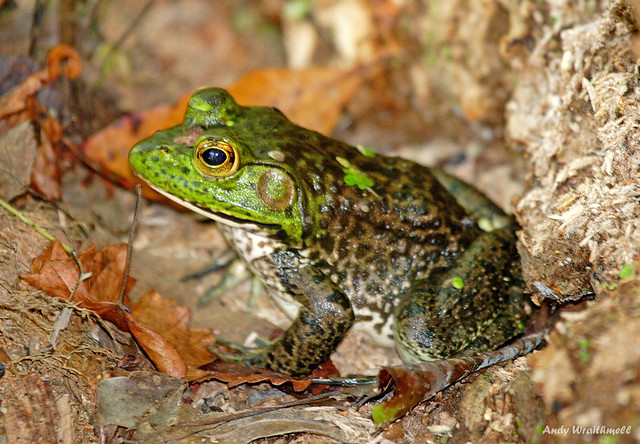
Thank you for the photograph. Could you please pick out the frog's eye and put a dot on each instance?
(216, 158)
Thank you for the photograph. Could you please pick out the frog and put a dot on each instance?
(342, 237)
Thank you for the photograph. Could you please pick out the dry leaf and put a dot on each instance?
(159, 326)
(164, 315)
(140, 391)
(45, 175)
(313, 98)
(414, 383)
(19, 104)
(17, 99)
(110, 147)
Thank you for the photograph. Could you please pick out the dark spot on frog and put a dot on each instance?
(374, 288)
(413, 309)
(288, 346)
(185, 171)
(289, 213)
(312, 322)
(338, 298)
(437, 239)
(327, 243)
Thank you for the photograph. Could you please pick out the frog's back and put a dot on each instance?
(375, 242)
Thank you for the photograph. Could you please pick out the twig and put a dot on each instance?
(259, 411)
(132, 234)
(81, 275)
(132, 26)
(36, 25)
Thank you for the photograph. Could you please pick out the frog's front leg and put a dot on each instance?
(475, 304)
(324, 317)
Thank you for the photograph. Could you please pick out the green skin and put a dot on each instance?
(408, 253)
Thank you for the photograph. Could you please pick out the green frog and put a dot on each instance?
(341, 236)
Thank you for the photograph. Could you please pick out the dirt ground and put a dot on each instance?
(534, 102)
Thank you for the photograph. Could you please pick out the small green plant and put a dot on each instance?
(457, 283)
(626, 271)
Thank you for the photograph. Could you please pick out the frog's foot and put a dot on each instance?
(235, 274)
(486, 213)
(241, 355)
(222, 262)
(472, 306)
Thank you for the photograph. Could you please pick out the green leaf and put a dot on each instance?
(365, 151)
(200, 104)
(457, 283)
(297, 9)
(361, 180)
(382, 414)
(626, 271)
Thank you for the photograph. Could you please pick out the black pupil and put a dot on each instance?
(214, 156)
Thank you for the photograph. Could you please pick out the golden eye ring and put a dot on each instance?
(216, 158)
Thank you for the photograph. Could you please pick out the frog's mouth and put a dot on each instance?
(222, 218)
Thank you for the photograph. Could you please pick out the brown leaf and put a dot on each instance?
(110, 146)
(18, 147)
(17, 99)
(160, 327)
(414, 383)
(63, 57)
(20, 101)
(49, 273)
(159, 350)
(234, 375)
(165, 316)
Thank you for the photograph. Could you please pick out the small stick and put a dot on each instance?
(132, 234)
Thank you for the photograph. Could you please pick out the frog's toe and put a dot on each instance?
(241, 355)
(234, 346)
(224, 356)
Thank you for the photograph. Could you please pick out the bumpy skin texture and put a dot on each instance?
(344, 234)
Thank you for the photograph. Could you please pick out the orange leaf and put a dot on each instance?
(63, 53)
(110, 146)
(159, 350)
(165, 316)
(313, 98)
(48, 275)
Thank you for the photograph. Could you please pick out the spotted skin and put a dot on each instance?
(342, 235)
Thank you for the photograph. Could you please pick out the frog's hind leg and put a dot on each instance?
(471, 306)
(483, 210)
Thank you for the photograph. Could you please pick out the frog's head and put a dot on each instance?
(227, 162)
